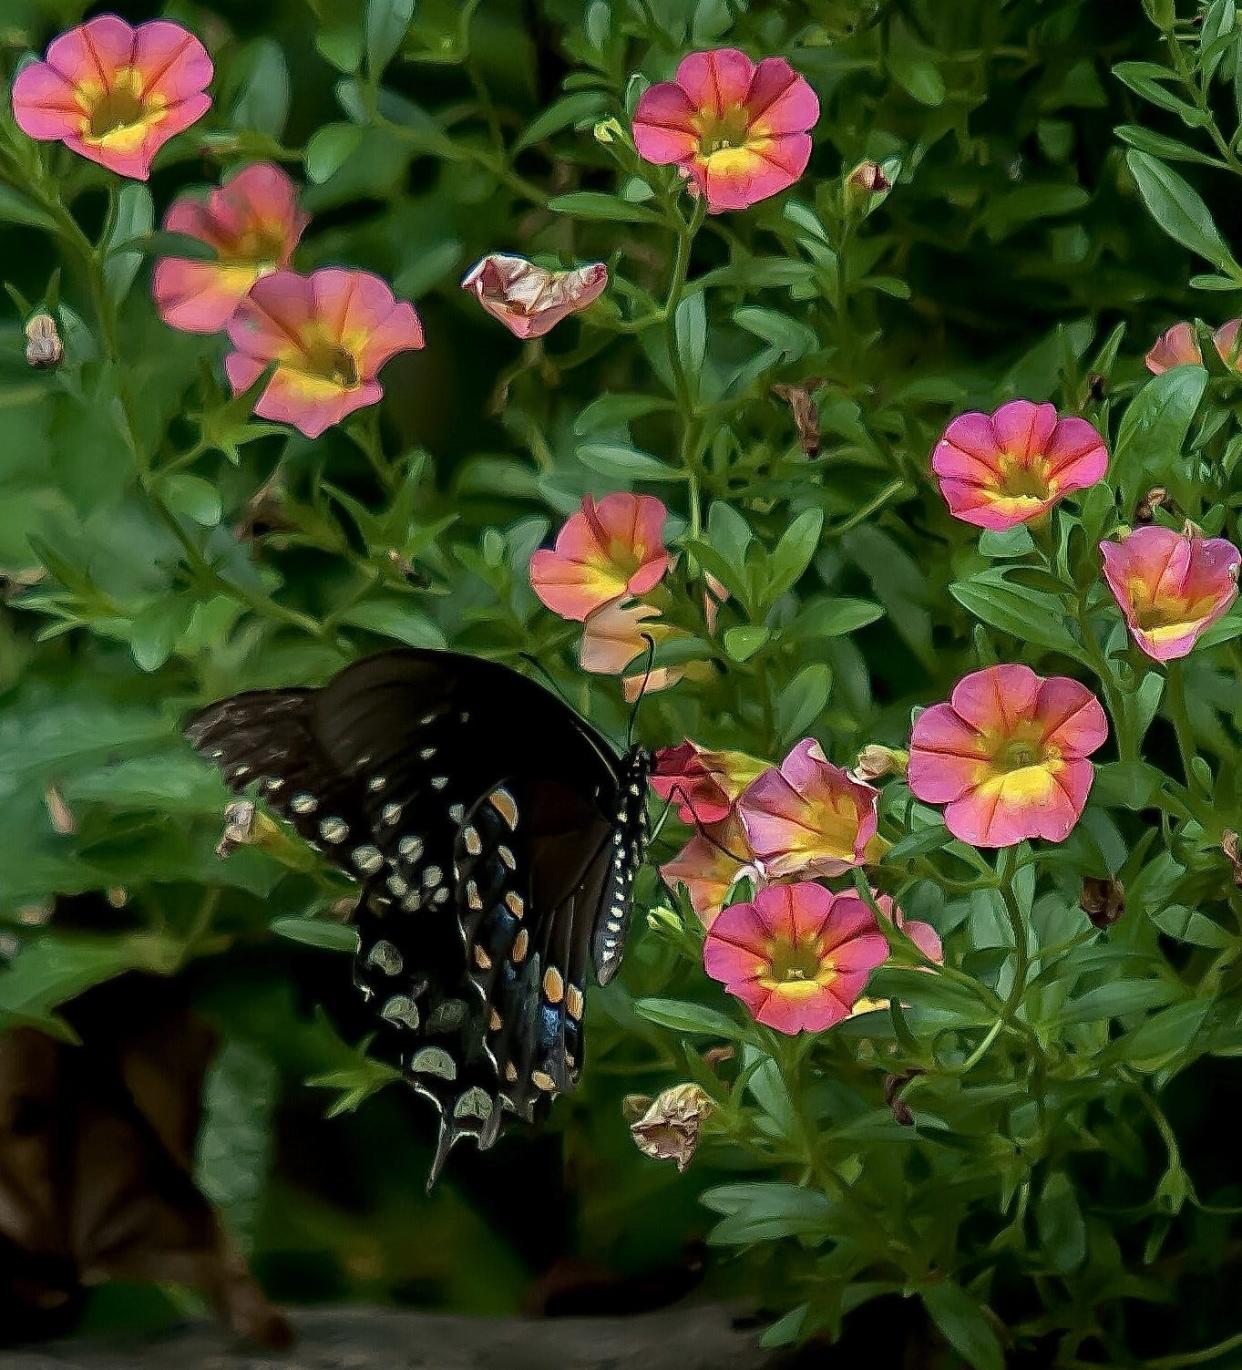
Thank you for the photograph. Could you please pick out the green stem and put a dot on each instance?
(1006, 870)
(1179, 715)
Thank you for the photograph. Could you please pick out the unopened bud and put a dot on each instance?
(869, 177)
(1229, 845)
(893, 1084)
(1191, 530)
(608, 131)
(717, 1056)
(875, 761)
(1153, 500)
(117, 896)
(669, 1129)
(43, 345)
(1103, 901)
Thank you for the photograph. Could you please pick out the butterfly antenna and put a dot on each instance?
(678, 792)
(642, 690)
(547, 675)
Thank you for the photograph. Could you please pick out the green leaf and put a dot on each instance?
(162, 244)
(626, 463)
(1116, 1000)
(154, 632)
(1189, 925)
(793, 553)
(330, 148)
(262, 102)
(135, 218)
(387, 23)
(836, 617)
(681, 1016)
(1059, 1221)
(396, 617)
(1164, 1036)
(910, 65)
(690, 326)
(1160, 145)
(593, 204)
(802, 701)
(964, 1324)
(317, 932)
(16, 208)
(234, 1150)
(1029, 615)
(569, 109)
(743, 642)
(765, 1211)
(1154, 430)
(192, 496)
(1179, 210)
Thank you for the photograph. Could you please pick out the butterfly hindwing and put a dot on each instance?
(496, 838)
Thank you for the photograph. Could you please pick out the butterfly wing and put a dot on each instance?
(482, 817)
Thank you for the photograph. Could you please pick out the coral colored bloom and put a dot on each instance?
(798, 956)
(1171, 588)
(1176, 346)
(253, 223)
(923, 935)
(1008, 755)
(808, 817)
(328, 334)
(1226, 340)
(529, 300)
(1010, 467)
(606, 551)
(703, 783)
(113, 93)
(710, 865)
(737, 130)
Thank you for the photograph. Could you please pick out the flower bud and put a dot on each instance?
(44, 348)
(669, 1129)
(608, 131)
(875, 761)
(869, 178)
(59, 812)
(1103, 901)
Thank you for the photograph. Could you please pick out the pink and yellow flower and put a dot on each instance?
(253, 222)
(1226, 340)
(703, 783)
(1007, 755)
(1176, 346)
(608, 550)
(711, 864)
(797, 956)
(999, 470)
(737, 130)
(328, 335)
(528, 299)
(923, 935)
(1170, 587)
(113, 93)
(807, 816)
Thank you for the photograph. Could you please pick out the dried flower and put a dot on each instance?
(805, 413)
(531, 300)
(239, 828)
(1103, 901)
(59, 812)
(875, 761)
(1230, 846)
(44, 348)
(669, 1128)
(1156, 498)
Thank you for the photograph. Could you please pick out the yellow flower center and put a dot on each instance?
(796, 969)
(723, 132)
(1020, 481)
(120, 106)
(331, 362)
(1169, 611)
(260, 248)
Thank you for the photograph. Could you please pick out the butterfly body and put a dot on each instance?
(496, 837)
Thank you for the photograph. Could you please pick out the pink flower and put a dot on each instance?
(328, 334)
(808, 817)
(710, 864)
(529, 300)
(1013, 466)
(703, 783)
(737, 130)
(923, 935)
(1176, 346)
(1170, 587)
(113, 93)
(1008, 755)
(606, 551)
(253, 222)
(798, 956)
(1226, 340)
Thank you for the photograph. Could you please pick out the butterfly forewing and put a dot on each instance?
(496, 837)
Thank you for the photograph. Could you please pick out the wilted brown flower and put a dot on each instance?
(892, 1096)
(43, 345)
(805, 412)
(1103, 901)
(239, 828)
(875, 761)
(528, 299)
(1229, 845)
(869, 177)
(669, 1128)
(1154, 499)
(59, 812)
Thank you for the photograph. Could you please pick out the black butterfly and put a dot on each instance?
(496, 836)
